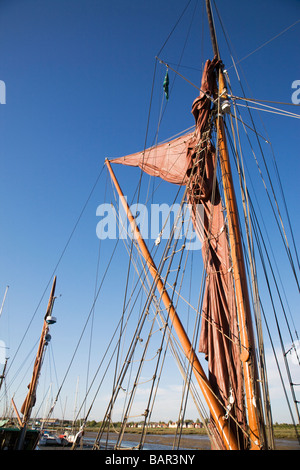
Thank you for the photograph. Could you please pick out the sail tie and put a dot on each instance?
(230, 404)
(166, 85)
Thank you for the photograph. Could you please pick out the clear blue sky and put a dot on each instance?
(78, 77)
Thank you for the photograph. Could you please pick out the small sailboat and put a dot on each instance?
(23, 437)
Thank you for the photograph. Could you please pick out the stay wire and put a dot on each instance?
(58, 263)
(83, 330)
(95, 293)
(281, 344)
(244, 125)
(139, 371)
(256, 228)
(234, 65)
(174, 27)
(283, 231)
(253, 278)
(173, 348)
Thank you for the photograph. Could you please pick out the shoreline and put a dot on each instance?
(280, 432)
(195, 441)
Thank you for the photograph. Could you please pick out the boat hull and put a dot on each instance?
(9, 438)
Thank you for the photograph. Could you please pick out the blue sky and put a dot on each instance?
(78, 78)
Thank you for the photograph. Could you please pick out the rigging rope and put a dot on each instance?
(280, 222)
(58, 262)
(274, 310)
(271, 110)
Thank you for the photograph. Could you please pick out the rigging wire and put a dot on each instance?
(267, 232)
(174, 342)
(173, 29)
(265, 43)
(238, 77)
(94, 379)
(197, 87)
(167, 322)
(149, 300)
(274, 310)
(83, 330)
(93, 314)
(251, 208)
(274, 161)
(262, 101)
(108, 417)
(281, 341)
(149, 114)
(254, 292)
(58, 262)
(280, 221)
(271, 109)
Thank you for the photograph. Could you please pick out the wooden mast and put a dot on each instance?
(215, 408)
(239, 271)
(31, 396)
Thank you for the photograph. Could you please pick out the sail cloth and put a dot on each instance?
(190, 160)
(168, 161)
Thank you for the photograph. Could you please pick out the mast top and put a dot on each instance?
(212, 30)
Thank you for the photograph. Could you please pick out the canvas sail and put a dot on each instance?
(190, 160)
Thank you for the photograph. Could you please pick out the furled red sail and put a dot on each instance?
(190, 160)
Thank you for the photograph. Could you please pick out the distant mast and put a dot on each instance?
(31, 396)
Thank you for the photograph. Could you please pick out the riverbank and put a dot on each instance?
(160, 442)
(281, 431)
(165, 439)
(198, 442)
(197, 439)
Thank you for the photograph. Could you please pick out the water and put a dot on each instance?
(188, 442)
(165, 442)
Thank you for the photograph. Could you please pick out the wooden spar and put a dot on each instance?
(215, 408)
(239, 271)
(17, 413)
(2, 376)
(31, 396)
(38, 362)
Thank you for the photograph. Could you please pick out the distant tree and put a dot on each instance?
(92, 423)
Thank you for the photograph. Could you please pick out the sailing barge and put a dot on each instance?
(235, 389)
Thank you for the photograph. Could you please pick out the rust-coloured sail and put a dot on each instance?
(169, 161)
(190, 161)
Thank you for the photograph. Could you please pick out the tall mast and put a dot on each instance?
(31, 396)
(215, 408)
(239, 271)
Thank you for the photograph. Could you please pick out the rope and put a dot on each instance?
(262, 355)
(258, 48)
(58, 263)
(280, 222)
(254, 293)
(262, 101)
(268, 42)
(280, 112)
(175, 26)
